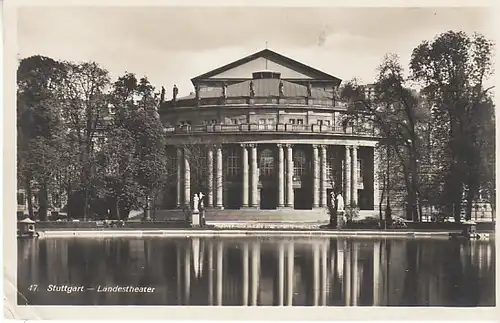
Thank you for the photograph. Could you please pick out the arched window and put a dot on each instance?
(299, 163)
(233, 163)
(266, 163)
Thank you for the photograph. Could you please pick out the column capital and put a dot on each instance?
(244, 145)
(289, 146)
(252, 145)
(280, 145)
(315, 146)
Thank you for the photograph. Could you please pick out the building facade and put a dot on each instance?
(267, 132)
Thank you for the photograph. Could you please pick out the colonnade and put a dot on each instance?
(323, 281)
(285, 176)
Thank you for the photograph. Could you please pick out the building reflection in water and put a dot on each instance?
(261, 272)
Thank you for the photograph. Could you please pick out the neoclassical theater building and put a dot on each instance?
(267, 132)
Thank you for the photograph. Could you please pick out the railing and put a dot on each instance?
(294, 128)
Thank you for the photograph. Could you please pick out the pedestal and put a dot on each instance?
(195, 219)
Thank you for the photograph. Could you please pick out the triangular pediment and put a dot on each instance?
(259, 64)
(266, 60)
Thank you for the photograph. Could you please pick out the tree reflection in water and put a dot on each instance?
(259, 271)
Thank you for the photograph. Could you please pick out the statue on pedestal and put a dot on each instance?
(252, 90)
(175, 91)
(196, 201)
(280, 87)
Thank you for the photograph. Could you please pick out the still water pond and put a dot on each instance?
(256, 271)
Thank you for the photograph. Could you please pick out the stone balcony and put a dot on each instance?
(352, 130)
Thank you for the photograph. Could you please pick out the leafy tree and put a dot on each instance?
(396, 111)
(85, 100)
(452, 70)
(38, 125)
(133, 161)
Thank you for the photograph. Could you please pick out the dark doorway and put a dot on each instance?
(268, 197)
(302, 198)
(169, 198)
(233, 197)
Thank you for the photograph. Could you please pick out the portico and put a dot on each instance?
(280, 175)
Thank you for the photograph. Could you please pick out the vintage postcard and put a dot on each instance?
(194, 160)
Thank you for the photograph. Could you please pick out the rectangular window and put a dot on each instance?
(20, 199)
(234, 121)
(214, 121)
(326, 122)
(320, 122)
(262, 121)
(292, 121)
(360, 170)
(300, 121)
(270, 121)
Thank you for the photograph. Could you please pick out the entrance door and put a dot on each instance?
(268, 197)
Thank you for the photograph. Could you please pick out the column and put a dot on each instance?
(210, 166)
(281, 274)
(219, 177)
(347, 281)
(347, 177)
(316, 273)
(244, 159)
(316, 174)
(210, 273)
(179, 275)
(289, 176)
(324, 179)
(187, 179)
(354, 194)
(179, 176)
(281, 176)
(376, 179)
(219, 272)
(255, 175)
(325, 284)
(355, 273)
(376, 273)
(290, 273)
(255, 272)
(245, 274)
(187, 276)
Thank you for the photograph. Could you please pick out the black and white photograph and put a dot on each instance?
(252, 156)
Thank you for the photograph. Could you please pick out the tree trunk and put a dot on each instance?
(381, 200)
(43, 196)
(29, 196)
(469, 202)
(117, 205)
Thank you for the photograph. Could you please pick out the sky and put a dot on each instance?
(171, 45)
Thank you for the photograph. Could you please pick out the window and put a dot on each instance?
(270, 121)
(292, 121)
(300, 121)
(299, 163)
(214, 121)
(262, 121)
(232, 163)
(266, 163)
(320, 122)
(360, 170)
(234, 121)
(20, 199)
(326, 122)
